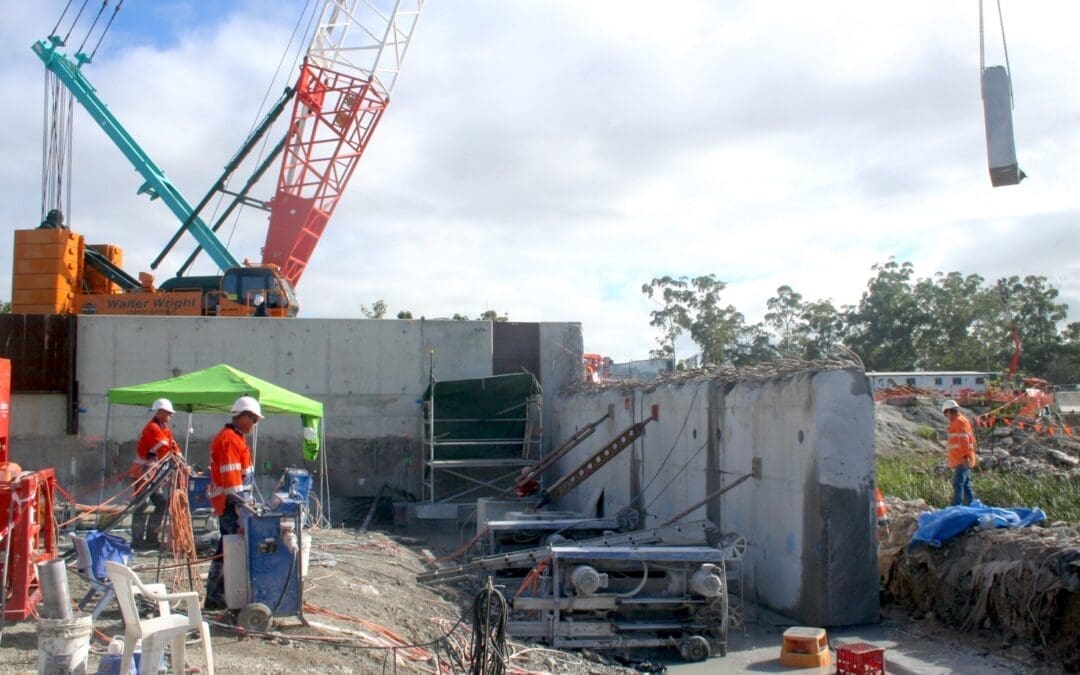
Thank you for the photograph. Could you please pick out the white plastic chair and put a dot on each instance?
(84, 565)
(157, 632)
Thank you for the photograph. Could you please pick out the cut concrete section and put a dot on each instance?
(370, 376)
(806, 434)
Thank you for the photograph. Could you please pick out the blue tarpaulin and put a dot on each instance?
(943, 525)
(105, 546)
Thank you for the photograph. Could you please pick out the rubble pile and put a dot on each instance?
(1022, 585)
(1007, 449)
(758, 372)
(1031, 453)
(1018, 588)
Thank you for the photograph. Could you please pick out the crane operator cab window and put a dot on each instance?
(250, 285)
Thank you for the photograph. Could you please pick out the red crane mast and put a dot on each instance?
(344, 87)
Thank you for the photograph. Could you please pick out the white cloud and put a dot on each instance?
(547, 158)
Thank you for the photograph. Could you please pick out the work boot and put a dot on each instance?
(145, 544)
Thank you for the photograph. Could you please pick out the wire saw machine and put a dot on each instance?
(265, 563)
(601, 597)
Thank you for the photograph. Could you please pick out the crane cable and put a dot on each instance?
(108, 25)
(62, 15)
(1004, 46)
(74, 21)
(308, 6)
(58, 116)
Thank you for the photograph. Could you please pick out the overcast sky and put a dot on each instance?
(547, 158)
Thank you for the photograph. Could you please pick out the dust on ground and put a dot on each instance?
(367, 614)
(1012, 591)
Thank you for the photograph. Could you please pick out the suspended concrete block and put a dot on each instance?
(1000, 145)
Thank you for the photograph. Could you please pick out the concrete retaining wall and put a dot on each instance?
(809, 518)
(369, 374)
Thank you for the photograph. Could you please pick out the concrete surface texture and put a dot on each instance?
(808, 517)
(370, 376)
(908, 651)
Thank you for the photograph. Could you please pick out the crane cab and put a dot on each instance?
(241, 291)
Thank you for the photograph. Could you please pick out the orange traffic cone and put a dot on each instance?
(882, 513)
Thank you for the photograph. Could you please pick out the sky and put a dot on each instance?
(547, 158)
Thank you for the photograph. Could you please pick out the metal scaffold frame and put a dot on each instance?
(493, 474)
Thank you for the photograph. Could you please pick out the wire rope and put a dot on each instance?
(108, 25)
(1004, 47)
(74, 21)
(309, 5)
(61, 19)
(93, 25)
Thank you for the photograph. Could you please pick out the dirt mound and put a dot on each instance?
(921, 428)
(908, 428)
(365, 614)
(1018, 589)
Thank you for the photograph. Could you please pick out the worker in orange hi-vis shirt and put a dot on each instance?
(232, 477)
(961, 447)
(155, 442)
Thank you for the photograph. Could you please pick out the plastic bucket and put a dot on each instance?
(64, 644)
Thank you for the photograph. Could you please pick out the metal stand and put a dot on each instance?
(491, 469)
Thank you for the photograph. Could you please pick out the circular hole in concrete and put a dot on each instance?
(694, 433)
(800, 436)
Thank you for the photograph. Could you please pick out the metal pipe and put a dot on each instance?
(55, 597)
(713, 495)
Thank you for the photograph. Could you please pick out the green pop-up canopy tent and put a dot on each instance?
(215, 389)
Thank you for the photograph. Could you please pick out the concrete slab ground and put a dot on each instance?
(907, 651)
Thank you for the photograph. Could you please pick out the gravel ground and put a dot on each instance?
(364, 610)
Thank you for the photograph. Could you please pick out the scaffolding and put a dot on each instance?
(479, 436)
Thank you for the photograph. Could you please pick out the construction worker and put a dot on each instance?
(961, 446)
(232, 477)
(155, 442)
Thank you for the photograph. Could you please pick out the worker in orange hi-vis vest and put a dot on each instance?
(232, 477)
(155, 442)
(961, 447)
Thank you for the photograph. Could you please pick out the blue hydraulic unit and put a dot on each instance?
(264, 565)
(292, 492)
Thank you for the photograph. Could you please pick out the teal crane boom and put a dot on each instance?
(157, 183)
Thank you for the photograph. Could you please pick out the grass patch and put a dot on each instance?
(926, 432)
(914, 476)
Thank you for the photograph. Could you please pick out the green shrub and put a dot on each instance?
(927, 432)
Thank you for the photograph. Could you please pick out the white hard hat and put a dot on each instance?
(247, 404)
(949, 405)
(162, 404)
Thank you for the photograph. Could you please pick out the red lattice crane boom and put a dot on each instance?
(345, 84)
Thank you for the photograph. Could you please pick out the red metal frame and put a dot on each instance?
(26, 516)
(26, 505)
(5, 408)
(334, 116)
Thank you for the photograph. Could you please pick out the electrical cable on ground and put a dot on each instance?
(488, 654)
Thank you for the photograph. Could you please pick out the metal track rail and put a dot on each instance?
(694, 533)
